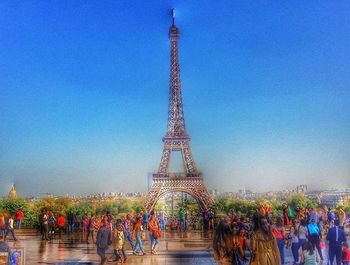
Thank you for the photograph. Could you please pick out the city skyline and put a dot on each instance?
(84, 94)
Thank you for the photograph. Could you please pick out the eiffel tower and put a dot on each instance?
(176, 139)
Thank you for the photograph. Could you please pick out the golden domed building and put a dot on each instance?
(13, 192)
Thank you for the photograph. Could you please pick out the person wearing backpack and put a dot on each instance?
(315, 236)
(52, 225)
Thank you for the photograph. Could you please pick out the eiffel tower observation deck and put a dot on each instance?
(177, 139)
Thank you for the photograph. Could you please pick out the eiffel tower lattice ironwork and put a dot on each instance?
(176, 139)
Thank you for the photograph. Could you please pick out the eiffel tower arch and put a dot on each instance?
(176, 139)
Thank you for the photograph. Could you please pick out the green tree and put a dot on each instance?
(12, 205)
(301, 201)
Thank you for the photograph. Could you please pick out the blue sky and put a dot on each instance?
(84, 93)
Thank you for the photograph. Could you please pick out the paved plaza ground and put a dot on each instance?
(188, 248)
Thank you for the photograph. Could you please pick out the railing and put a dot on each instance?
(177, 175)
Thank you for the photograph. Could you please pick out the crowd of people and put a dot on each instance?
(261, 239)
(106, 231)
(8, 223)
(131, 229)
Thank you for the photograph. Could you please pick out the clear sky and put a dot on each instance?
(84, 93)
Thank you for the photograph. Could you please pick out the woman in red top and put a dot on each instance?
(279, 233)
(154, 232)
(242, 241)
(19, 217)
(61, 223)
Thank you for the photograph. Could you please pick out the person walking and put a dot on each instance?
(315, 236)
(19, 218)
(263, 244)
(205, 216)
(293, 236)
(161, 217)
(90, 228)
(61, 224)
(302, 233)
(335, 237)
(285, 220)
(45, 226)
(52, 225)
(118, 242)
(145, 220)
(154, 233)
(279, 233)
(103, 240)
(10, 228)
(70, 220)
(137, 230)
(182, 218)
(211, 219)
(128, 227)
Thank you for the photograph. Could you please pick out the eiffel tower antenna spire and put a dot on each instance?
(173, 15)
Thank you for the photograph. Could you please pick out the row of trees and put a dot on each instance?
(222, 206)
(64, 205)
(247, 207)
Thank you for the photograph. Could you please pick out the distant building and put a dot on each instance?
(301, 189)
(335, 197)
(13, 192)
(331, 200)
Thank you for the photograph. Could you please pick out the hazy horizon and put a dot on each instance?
(84, 94)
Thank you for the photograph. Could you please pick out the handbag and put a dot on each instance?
(322, 245)
(237, 259)
(143, 235)
(156, 234)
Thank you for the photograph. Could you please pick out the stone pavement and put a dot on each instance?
(189, 248)
(179, 248)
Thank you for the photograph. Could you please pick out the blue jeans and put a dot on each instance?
(295, 251)
(302, 242)
(138, 245)
(280, 244)
(18, 224)
(182, 224)
(127, 235)
(154, 241)
(162, 224)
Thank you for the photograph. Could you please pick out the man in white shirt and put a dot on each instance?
(10, 228)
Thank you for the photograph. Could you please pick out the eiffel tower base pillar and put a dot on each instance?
(193, 186)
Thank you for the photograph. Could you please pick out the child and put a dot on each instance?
(346, 253)
(308, 255)
(118, 236)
